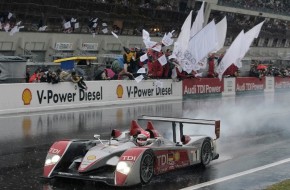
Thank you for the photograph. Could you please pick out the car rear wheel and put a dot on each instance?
(147, 167)
(206, 154)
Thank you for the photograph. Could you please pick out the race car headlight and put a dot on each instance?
(48, 161)
(52, 159)
(55, 159)
(124, 167)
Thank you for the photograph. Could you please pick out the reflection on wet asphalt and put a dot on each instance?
(253, 133)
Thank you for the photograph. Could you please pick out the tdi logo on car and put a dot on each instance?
(129, 158)
(54, 151)
(169, 158)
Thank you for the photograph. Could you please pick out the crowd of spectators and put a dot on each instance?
(52, 16)
(129, 65)
(125, 67)
(271, 6)
(41, 75)
(7, 21)
(260, 70)
(146, 10)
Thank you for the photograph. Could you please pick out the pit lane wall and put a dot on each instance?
(233, 86)
(30, 97)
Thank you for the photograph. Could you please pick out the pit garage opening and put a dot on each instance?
(12, 69)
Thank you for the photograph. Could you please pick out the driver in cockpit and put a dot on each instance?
(142, 140)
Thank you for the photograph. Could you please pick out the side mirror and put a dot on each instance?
(96, 136)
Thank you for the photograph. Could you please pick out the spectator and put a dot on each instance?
(178, 74)
(231, 71)
(54, 78)
(254, 71)
(155, 69)
(130, 60)
(27, 74)
(34, 77)
(79, 80)
(118, 65)
(42, 76)
(211, 66)
(110, 74)
(63, 75)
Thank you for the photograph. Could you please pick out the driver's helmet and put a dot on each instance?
(141, 140)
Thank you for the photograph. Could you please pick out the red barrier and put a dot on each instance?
(250, 84)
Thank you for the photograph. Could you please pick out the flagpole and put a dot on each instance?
(117, 37)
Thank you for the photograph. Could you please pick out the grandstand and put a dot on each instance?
(127, 18)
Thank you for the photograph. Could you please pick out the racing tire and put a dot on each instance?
(147, 167)
(206, 154)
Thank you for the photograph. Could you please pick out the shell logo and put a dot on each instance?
(91, 157)
(176, 156)
(119, 91)
(26, 96)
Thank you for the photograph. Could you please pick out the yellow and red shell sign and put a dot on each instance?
(119, 91)
(26, 96)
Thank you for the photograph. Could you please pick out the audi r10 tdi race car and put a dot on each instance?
(132, 157)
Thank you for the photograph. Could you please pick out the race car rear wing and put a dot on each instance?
(181, 121)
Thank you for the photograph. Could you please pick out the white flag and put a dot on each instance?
(43, 28)
(95, 20)
(139, 78)
(15, 29)
(105, 30)
(9, 15)
(157, 48)
(198, 22)
(145, 35)
(95, 25)
(141, 70)
(73, 19)
(221, 29)
(182, 41)
(162, 60)
(248, 39)
(172, 56)
(67, 25)
(77, 25)
(199, 47)
(149, 44)
(232, 55)
(144, 57)
(167, 40)
(104, 24)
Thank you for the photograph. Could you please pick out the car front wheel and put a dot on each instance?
(147, 167)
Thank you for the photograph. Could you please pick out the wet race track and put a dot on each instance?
(254, 138)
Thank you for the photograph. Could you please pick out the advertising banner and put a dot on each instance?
(202, 86)
(24, 97)
(282, 83)
(244, 84)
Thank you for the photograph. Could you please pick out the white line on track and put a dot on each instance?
(205, 184)
(74, 110)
